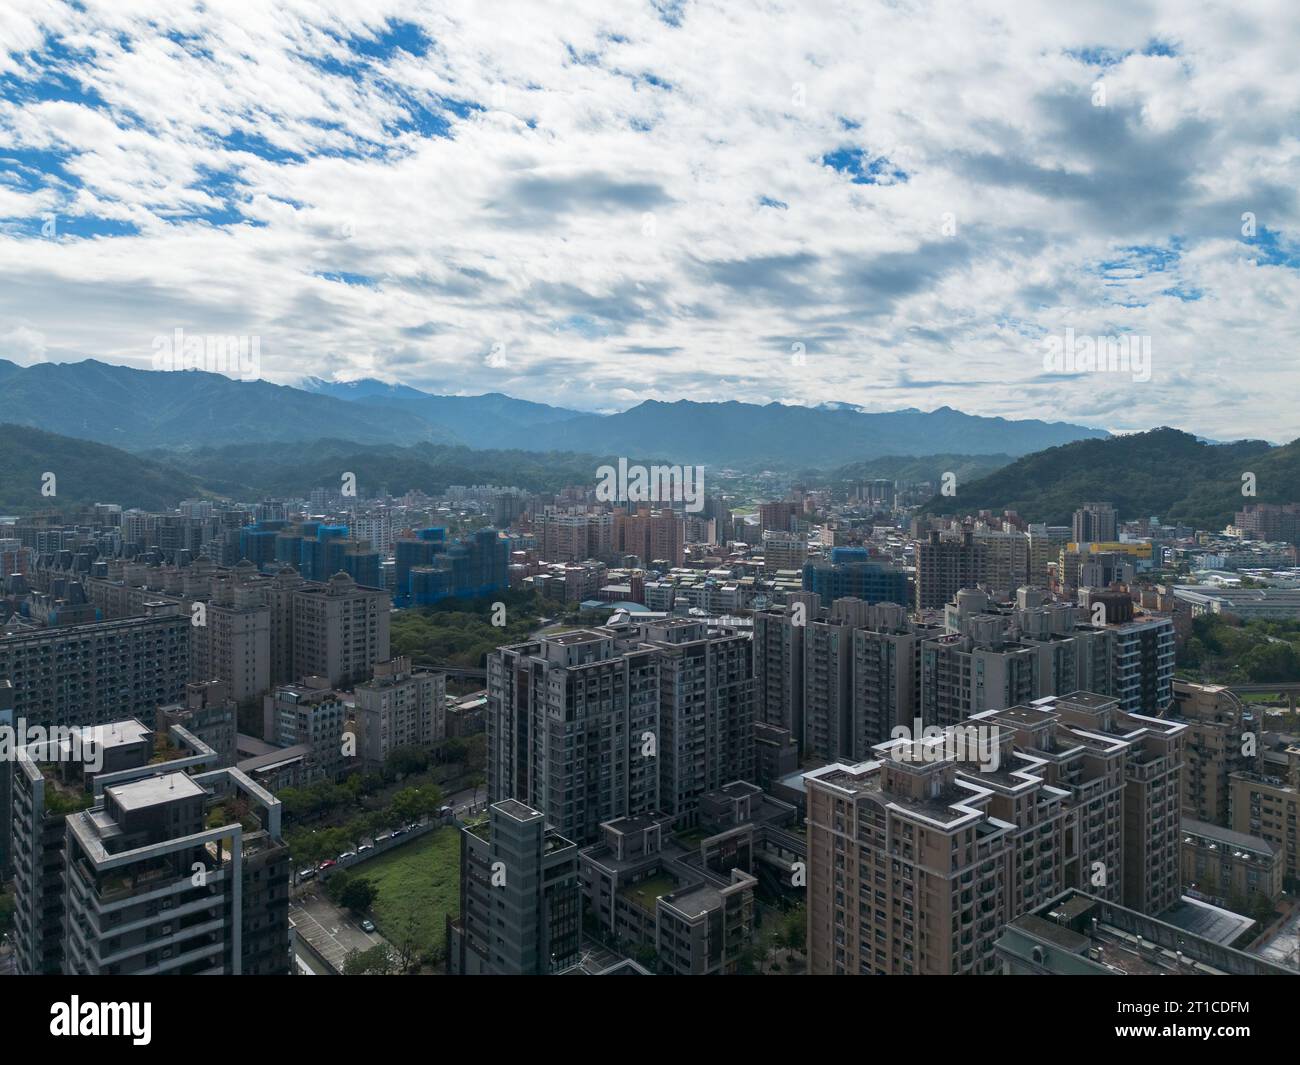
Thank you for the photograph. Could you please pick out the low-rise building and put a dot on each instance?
(1229, 868)
(1077, 934)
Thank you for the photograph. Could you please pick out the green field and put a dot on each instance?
(422, 877)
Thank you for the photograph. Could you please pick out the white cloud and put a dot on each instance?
(640, 210)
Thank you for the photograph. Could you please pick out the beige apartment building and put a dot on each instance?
(340, 630)
(650, 535)
(1222, 738)
(231, 641)
(253, 630)
(400, 707)
(1267, 803)
(573, 535)
(917, 858)
(1229, 868)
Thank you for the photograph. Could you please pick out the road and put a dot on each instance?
(463, 802)
(331, 932)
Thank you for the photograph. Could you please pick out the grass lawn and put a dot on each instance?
(645, 892)
(425, 874)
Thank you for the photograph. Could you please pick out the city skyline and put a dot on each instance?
(673, 487)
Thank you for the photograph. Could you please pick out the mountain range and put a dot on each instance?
(1164, 473)
(84, 472)
(186, 410)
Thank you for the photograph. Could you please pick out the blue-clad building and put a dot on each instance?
(852, 572)
(430, 568)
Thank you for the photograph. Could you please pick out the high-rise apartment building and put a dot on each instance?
(311, 717)
(886, 679)
(652, 536)
(166, 877)
(784, 551)
(944, 566)
(1005, 561)
(400, 707)
(230, 640)
(828, 677)
(911, 863)
(919, 857)
(704, 735)
(1223, 737)
(1124, 773)
(1045, 543)
(851, 573)
(1266, 803)
(574, 535)
(1142, 663)
(777, 516)
(127, 864)
(779, 662)
(1270, 521)
(520, 897)
(340, 630)
(207, 712)
(1095, 523)
(573, 722)
(253, 630)
(96, 673)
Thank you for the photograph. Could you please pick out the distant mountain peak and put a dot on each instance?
(358, 388)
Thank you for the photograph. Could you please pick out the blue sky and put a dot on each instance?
(610, 203)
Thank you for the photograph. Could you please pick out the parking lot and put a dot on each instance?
(332, 932)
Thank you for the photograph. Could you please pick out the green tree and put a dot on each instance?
(410, 804)
(377, 961)
(358, 895)
(408, 759)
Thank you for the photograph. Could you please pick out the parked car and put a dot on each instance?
(382, 838)
(306, 874)
(329, 863)
(347, 854)
(367, 925)
(446, 811)
(365, 847)
(398, 832)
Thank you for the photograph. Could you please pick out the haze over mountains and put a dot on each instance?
(1165, 473)
(141, 409)
(181, 433)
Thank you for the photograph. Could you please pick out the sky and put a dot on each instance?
(892, 205)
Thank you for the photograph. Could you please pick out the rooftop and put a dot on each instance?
(151, 791)
(515, 809)
(1239, 840)
(644, 892)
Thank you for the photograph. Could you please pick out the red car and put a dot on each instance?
(330, 864)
